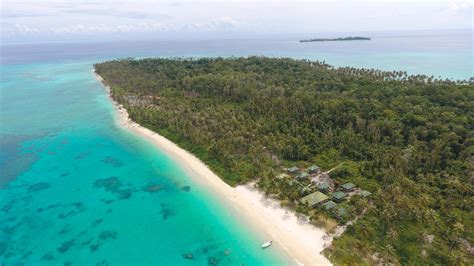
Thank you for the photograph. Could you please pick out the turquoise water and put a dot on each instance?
(75, 188)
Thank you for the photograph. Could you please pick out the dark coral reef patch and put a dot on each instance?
(151, 187)
(112, 161)
(38, 187)
(113, 185)
(66, 245)
(166, 211)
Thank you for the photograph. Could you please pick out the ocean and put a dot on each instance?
(77, 189)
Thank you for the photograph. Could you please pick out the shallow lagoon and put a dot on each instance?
(81, 190)
(75, 188)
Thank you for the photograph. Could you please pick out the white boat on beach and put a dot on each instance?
(267, 244)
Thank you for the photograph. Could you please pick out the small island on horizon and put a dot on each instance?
(350, 38)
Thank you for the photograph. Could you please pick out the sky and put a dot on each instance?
(72, 20)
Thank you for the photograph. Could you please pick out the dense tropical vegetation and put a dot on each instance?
(407, 139)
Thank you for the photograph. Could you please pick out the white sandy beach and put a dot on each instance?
(301, 240)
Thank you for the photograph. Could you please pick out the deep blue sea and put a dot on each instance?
(76, 189)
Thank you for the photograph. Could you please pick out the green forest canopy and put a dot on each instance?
(407, 139)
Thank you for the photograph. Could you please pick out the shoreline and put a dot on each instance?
(300, 240)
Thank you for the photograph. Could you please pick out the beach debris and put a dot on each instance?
(38, 187)
(66, 245)
(112, 161)
(186, 188)
(188, 256)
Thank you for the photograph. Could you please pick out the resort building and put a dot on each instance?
(314, 199)
(302, 176)
(365, 193)
(323, 186)
(293, 170)
(348, 187)
(329, 205)
(313, 169)
(338, 196)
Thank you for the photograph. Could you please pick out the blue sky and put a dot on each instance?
(69, 20)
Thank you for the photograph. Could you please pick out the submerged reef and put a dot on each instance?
(38, 187)
(113, 185)
(112, 161)
(212, 261)
(108, 235)
(188, 256)
(82, 155)
(3, 248)
(65, 174)
(151, 187)
(96, 222)
(166, 211)
(48, 256)
(66, 245)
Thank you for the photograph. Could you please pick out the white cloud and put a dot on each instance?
(463, 8)
(122, 28)
(221, 24)
(194, 18)
(23, 29)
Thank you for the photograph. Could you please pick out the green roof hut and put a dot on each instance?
(282, 176)
(323, 186)
(302, 175)
(348, 186)
(313, 169)
(365, 193)
(329, 205)
(314, 199)
(293, 170)
(338, 196)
